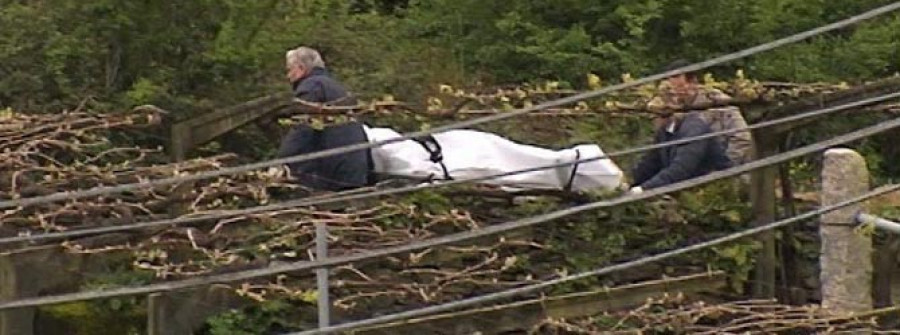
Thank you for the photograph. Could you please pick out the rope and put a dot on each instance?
(453, 238)
(357, 195)
(97, 191)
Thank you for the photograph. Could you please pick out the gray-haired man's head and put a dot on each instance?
(300, 61)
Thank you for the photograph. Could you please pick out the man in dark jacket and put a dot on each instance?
(313, 86)
(672, 164)
(311, 81)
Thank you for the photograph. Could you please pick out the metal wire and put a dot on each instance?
(453, 238)
(97, 191)
(358, 195)
(597, 272)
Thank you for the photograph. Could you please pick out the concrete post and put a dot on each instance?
(18, 321)
(31, 272)
(846, 257)
(185, 311)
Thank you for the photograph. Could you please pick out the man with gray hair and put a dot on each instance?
(449, 155)
(314, 86)
(311, 81)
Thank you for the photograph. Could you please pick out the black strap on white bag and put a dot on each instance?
(435, 152)
(568, 186)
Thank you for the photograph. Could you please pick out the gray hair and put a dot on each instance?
(305, 57)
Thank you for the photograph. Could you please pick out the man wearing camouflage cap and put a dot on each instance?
(686, 109)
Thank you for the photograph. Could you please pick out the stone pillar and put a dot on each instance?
(846, 257)
(185, 312)
(28, 273)
(18, 321)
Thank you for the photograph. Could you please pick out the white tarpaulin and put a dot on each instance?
(471, 154)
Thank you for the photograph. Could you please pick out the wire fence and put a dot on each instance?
(352, 195)
(475, 234)
(107, 190)
(458, 237)
(597, 272)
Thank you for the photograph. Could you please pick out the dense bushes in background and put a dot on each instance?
(189, 56)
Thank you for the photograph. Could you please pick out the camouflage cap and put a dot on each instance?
(677, 64)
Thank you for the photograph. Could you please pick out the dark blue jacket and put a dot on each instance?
(320, 87)
(332, 173)
(669, 165)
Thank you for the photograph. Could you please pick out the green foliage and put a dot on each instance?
(189, 57)
(521, 40)
(429, 202)
(196, 55)
(120, 316)
(718, 205)
(274, 316)
(124, 315)
(737, 260)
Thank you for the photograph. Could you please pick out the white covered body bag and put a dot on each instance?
(471, 154)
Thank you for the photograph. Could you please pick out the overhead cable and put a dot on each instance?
(106, 190)
(352, 195)
(482, 299)
(452, 238)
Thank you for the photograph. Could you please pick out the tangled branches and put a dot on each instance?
(741, 90)
(673, 315)
(432, 275)
(46, 153)
(456, 102)
(43, 154)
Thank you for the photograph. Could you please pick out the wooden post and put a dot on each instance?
(188, 134)
(179, 141)
(885, 260)
(792, 291)
(762, 195)
(846, 256)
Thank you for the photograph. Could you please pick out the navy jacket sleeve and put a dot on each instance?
(310, 90)
(688, 157)
(647, 167)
